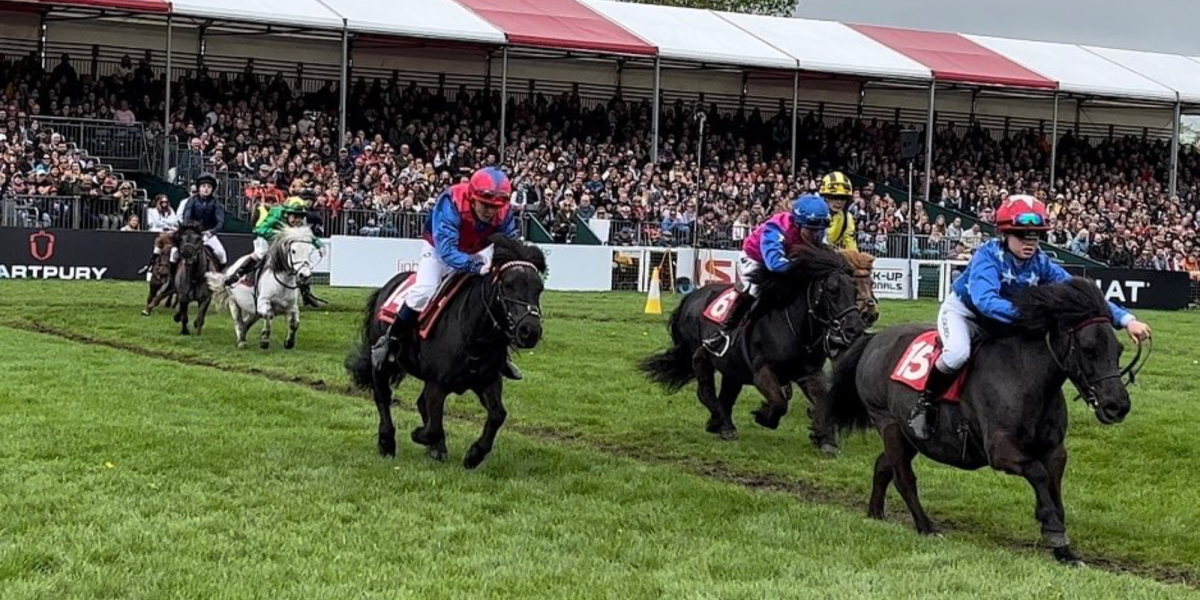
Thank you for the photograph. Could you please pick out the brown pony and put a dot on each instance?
(162, 286)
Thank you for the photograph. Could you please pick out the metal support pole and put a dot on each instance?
(795, 122)
(42, 41)
(345, 83)
(928, 143)
(912, 224)
(1175, 143)
(503, 104)
(1053, 145)
(166, 164)
(701, 117)
(654, 110)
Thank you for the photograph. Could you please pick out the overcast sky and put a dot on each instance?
(1158, 25)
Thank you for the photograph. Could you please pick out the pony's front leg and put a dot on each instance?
(490, 398)
(775, 404)
(433, 434)
(293, 326)
(266, 314)
(181, 316)
(820, 429)
(202, 311)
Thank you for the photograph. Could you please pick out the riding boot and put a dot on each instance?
(510, 370)
(719, 342)
(149, 264)
(387, 346)
(246, 268)
(923, 419)
(310, 299)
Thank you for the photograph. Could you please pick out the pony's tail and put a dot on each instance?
(671, 368)
(358, 361)
(847, 409)
(216, 284)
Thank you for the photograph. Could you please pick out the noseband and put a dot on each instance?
(1085, 386)
(832, 325)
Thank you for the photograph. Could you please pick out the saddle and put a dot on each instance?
(446, 292)
(721, 307)
(918, 359)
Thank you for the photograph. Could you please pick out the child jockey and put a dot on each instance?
(289, 214)
(767, 247)
(837, 192)
(455, 235)
(998, 270)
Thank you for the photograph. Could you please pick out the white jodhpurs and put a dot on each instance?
(213, 244)
(745, 267)
(430, 273)
(956, 327)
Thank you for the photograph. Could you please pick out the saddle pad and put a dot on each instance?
(916, 362)
(428, 317)
(718, 310)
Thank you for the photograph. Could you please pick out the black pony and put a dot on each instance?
(1012, 414)
(195, 260)
(802, 316)
(466, 350)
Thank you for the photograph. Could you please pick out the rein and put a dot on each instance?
(1087, 391)
(530, 310)
(832, 325)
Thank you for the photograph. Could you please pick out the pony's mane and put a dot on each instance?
(858, 261)
(1058, 306)
(508, 250)
(809, 263)
(277, 253)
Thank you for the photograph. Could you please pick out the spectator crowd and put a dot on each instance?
(576, 161)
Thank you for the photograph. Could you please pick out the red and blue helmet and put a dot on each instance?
(1022, 213)
(490, 186)
(810, 212)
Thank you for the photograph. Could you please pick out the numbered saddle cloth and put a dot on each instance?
(718, 310)
(918, 360)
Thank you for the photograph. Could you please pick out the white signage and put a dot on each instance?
(890, 279)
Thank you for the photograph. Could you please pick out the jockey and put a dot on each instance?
(767, 247)
(454, 239)
(837, 191)
(205, 209)
(998, 270)
(289, 214)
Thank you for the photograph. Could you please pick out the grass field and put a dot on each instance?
(136, 463)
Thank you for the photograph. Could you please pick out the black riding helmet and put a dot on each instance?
(206, 178)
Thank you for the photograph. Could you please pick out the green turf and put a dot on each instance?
(224, 484)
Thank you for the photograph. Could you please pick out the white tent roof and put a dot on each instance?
(1077, 70)
(1179, 73)
(435, 19)
(693, 35)
(293, 13)
(829, 47)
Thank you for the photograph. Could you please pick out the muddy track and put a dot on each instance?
(717, 471)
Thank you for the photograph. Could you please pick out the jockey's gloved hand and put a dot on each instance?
(485, 267)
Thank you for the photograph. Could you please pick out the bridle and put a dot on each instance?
(1085, 385)
(293, 267)
(526, 310)
(832, 325)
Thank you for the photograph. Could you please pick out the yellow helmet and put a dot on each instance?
(836, 184)
(295, 205)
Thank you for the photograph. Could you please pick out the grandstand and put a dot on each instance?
(599, 109)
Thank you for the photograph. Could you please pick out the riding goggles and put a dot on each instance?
(1029, 219)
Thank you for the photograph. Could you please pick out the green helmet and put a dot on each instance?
(295, 206)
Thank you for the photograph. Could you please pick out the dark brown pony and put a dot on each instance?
(195, 260)
(162, 284)
(802, 315)
(1012, 415)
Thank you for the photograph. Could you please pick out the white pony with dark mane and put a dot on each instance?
(289, 262)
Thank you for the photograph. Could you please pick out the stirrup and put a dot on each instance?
(510, 371)
(919, 421)
(721, 337)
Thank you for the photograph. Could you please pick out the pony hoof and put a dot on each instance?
(241, 345)
(474, 457)
(264, 345)
(1067, 556)
(764, 420)
(829, 450)
(289, 344)
(438, 454)
(729, 435)
(387, 447)
(713, 425)
(418, 436)
(177, 318)
(878, 515)
(145, 313)
(930, 531)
